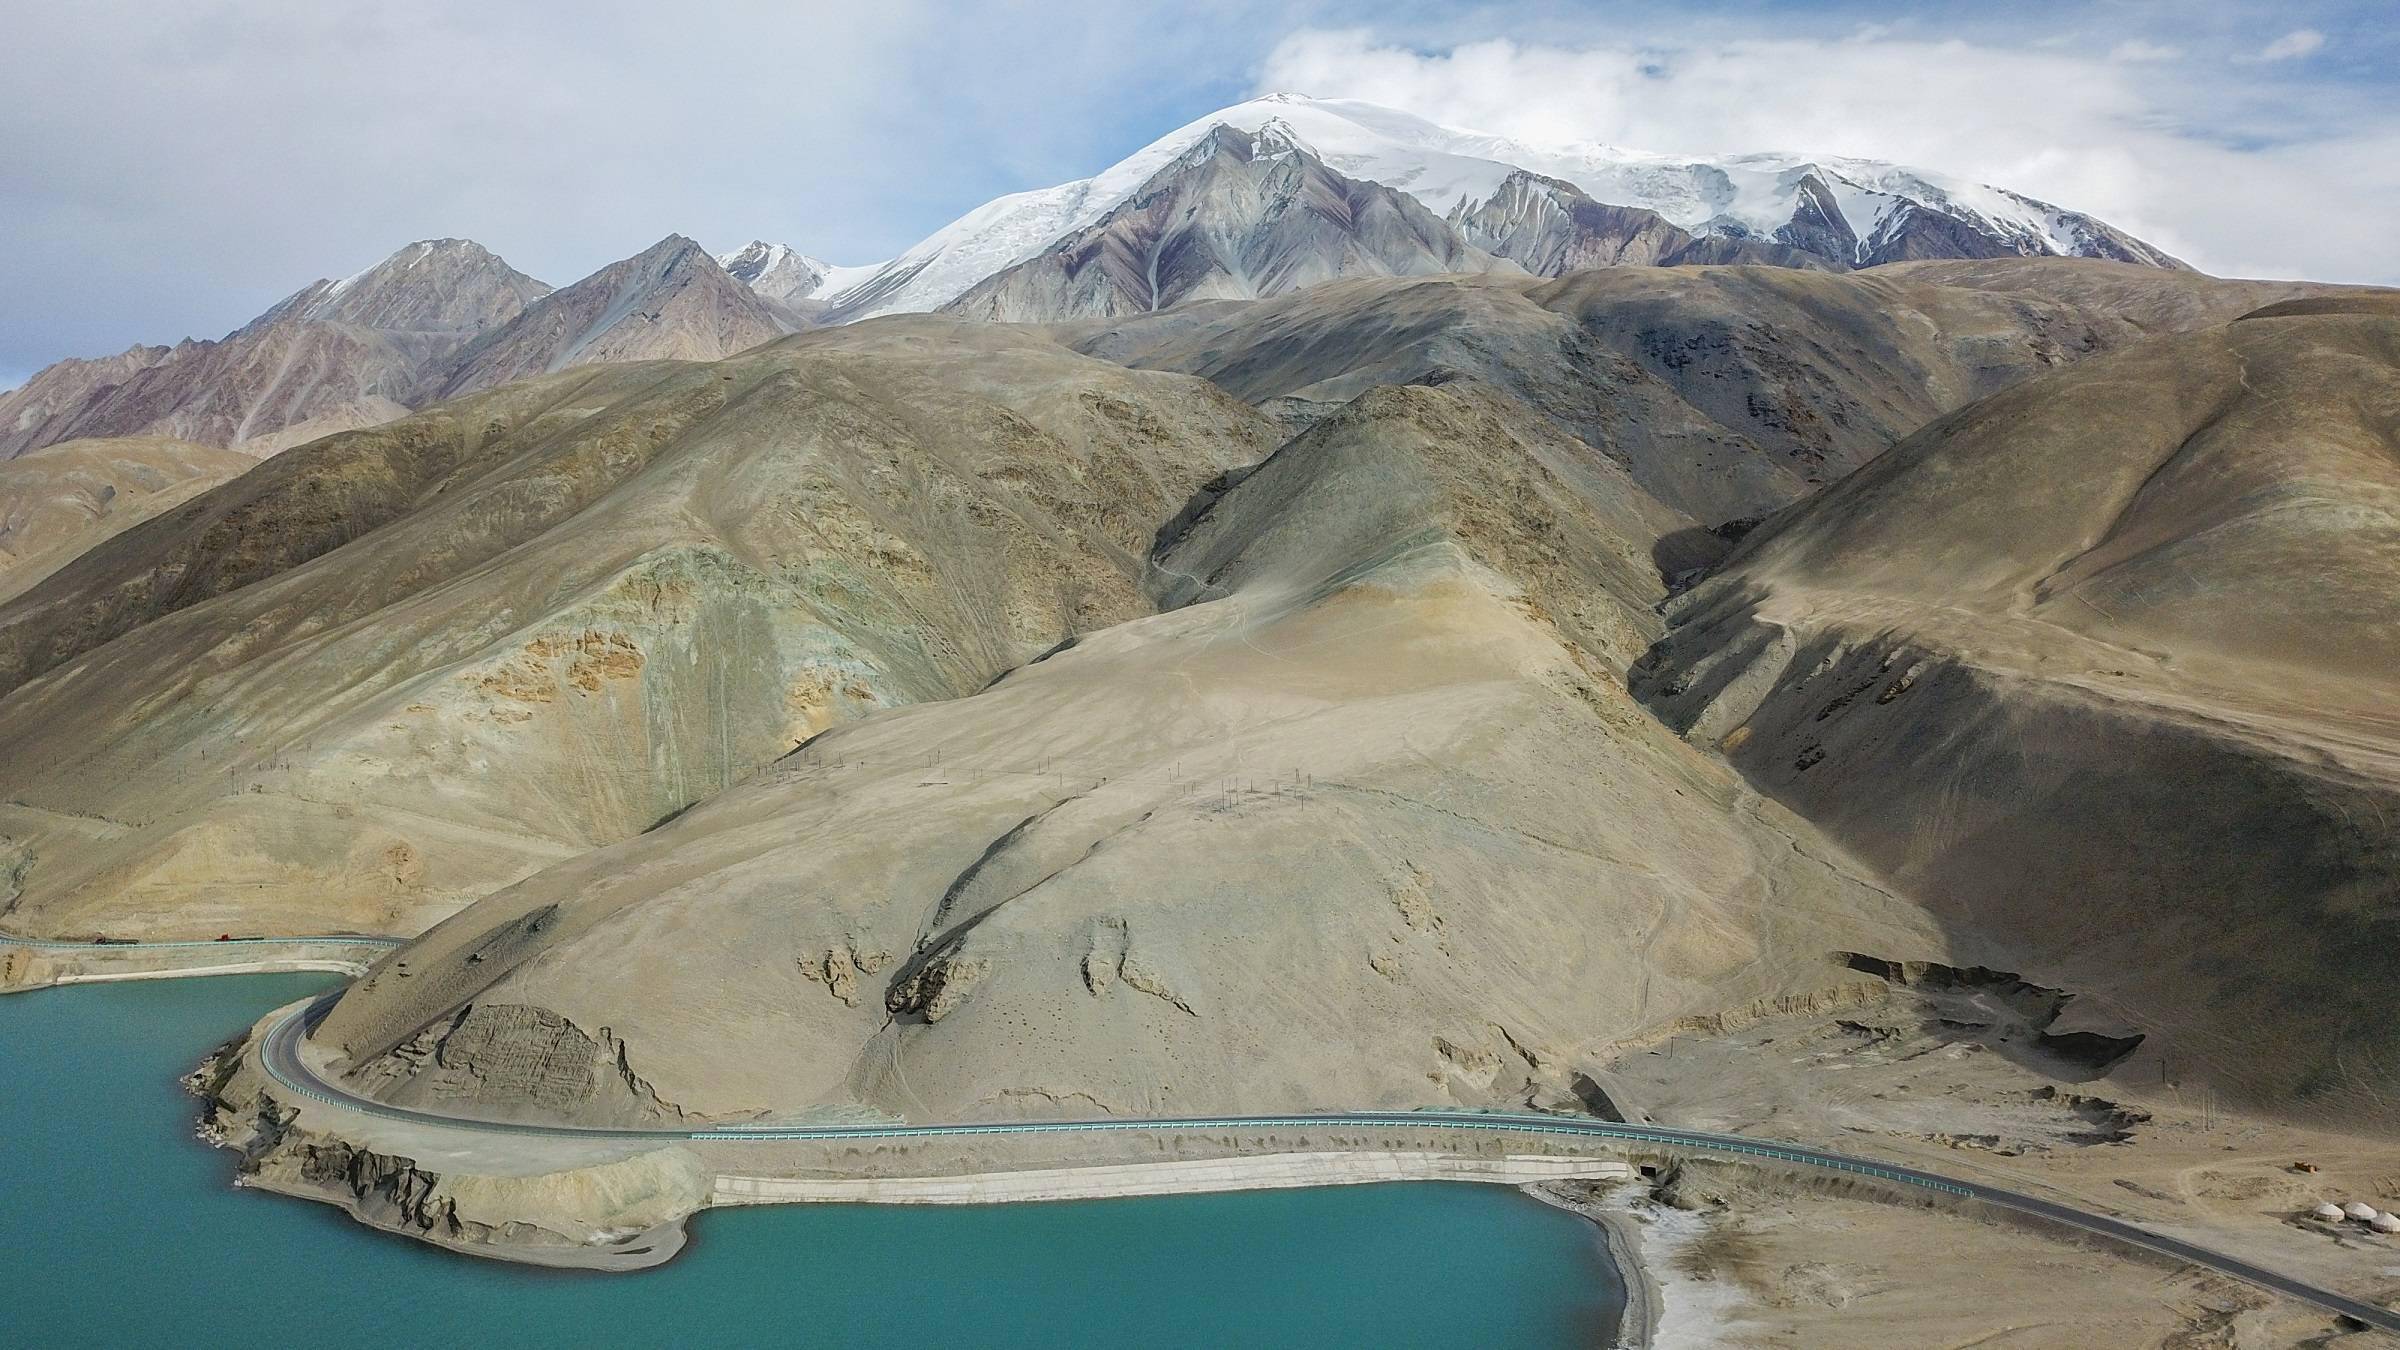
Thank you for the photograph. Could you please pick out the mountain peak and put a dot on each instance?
(778, 272)
(675, 248)
(430, 286)
(671, 301)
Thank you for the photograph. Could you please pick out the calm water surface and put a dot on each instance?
(117, 1228)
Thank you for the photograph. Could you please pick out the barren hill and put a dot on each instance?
(2102, 670)
(1368, 817)
(392, 670)
(1725, 391)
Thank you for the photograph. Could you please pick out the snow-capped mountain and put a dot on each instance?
(1238, 216)
(1260, 198)
(1842, 212)
(1550, 227)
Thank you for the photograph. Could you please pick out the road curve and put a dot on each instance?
(279, 1056)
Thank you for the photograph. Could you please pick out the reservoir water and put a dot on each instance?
(118, 1228)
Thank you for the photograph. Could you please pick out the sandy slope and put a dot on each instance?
(60, 501)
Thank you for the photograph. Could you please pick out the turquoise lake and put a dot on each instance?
(119, 1228)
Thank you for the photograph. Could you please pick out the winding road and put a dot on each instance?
(279, 1056)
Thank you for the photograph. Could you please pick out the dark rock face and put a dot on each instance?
(1913, 235)
(393, 1191)
(1817, 225)
(1550, 227)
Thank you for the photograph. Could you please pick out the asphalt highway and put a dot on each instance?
(279, 1055)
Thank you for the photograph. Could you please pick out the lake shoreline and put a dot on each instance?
(1621, 1239)
(106, 1176)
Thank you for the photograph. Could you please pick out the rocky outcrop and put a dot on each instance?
(616, 1209)
(840, 968)
(508, 1060)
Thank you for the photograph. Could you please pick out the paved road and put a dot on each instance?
(331, 939)
(279, 1054)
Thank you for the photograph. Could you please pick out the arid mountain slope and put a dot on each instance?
(1369, 821)
(1726, 392)
(398, 668)
(334, 356)
(2145, 299)
(59, 501)
(43, 410)
(2102, 670)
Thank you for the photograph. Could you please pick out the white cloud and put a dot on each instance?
(2136, 50)
(2076, 129)
(2299, 42)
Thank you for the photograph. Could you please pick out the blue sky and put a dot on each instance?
(172, 168)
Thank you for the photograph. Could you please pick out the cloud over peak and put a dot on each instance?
(2107, 129)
